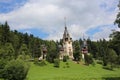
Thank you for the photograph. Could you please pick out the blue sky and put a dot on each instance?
(7, 6)
(45, 18)
(35, 32)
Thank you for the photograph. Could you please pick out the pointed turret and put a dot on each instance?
(66, 36)
(67, 45)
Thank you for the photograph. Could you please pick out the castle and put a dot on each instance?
(67, 49)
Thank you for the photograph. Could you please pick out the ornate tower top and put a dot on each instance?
(65, 21)
(66, 34)
(67, 44)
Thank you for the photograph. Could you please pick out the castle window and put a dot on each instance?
(66, 39)
(69, 42)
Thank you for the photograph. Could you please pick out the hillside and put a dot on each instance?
(74, 72)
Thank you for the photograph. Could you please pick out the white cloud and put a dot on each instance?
(103, 34)
(48, 15)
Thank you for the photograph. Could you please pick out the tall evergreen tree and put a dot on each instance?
(6, 32)
(76, 54)
(24, 50)
(117, 21)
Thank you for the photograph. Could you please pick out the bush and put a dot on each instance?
(36, 61)
(24, 57)
(108, 67)
(88, 59)
(99, 62)
(56, 63)
(42, 63)
(65, 58)
(15, 70)
(112, 58)
(2, 65)
(67, 65)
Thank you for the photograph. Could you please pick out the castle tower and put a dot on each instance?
(84, 48)
(67, 44)
(43, 52)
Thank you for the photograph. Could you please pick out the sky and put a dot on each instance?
(92, 19)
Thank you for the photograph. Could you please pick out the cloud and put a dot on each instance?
(48, 16)
(104, 32)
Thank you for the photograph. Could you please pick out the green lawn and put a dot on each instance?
(74, 72)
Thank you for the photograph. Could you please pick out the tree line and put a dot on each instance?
(26, 44)
(17, 48)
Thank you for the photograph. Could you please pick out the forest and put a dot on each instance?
(15, 43)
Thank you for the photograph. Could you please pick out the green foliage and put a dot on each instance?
(117, 21)
(102, 51)
(99, 62)
(51, 57)
(65, 58)
(92, 47)
(115, 42)
(112, 59)
(43, 63)
(118, 60)
(24, 50)
(21, 43)
(40, 63)
(7, 52)
(3, 62)
(108, 67)
(67, 65)
(52, 51)
(2, 53)
(88, 59)
(15, 70)
(35, 48)
(6, 33)
(76, 51)
(36, 61)
(56, 63)
(24, 57)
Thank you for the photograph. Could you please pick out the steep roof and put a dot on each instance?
(66, 34)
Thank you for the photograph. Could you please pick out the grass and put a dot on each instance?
(74, 72)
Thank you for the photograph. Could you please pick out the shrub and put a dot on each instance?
(56, 63)
(112, 59)
(42, 63)
(24, 57)
(88, 59)
(99, 62)
(36, 61)
(15, 70)
(2, 65)
(108, 67)
(67, 65)
(65, 58)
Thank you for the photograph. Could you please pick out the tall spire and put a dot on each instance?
(83, 37)
(65, 28)
(65, 22)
